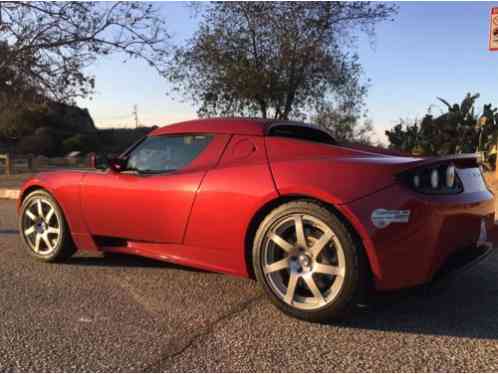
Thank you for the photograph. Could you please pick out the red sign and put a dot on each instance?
(493, 30)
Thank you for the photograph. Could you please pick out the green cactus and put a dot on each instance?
(458, 130)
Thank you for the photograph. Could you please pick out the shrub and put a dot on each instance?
(43, 143)
(458, 130)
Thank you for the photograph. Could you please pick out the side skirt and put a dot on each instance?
(202, 258)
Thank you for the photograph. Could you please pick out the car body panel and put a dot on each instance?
(198, 257)
(237, 126)
(202, 215)
(229, 197)
(153, 208)
(150, 208)
(66, 188)
(409, 254)
(332, 173)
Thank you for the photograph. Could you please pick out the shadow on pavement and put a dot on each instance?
(9, 232)
(124, 260)
(463, 306)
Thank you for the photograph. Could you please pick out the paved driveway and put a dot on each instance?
(128, 314)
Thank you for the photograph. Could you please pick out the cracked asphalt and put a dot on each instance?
(124, 313)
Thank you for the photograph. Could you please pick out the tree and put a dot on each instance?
(83, 143)
(344, 125)
(42, 142)
(274, 59)
(46, 46)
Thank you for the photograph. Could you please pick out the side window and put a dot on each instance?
(160, 154)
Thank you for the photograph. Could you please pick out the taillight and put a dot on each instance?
(450, 176)
(438, 179)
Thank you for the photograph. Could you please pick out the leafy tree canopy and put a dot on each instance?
(345, 125)
(274, 59)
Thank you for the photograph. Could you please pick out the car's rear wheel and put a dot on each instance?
(43, 228)
(307, 261)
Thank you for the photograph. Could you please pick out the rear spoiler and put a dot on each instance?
(374, 149)
(466, 160)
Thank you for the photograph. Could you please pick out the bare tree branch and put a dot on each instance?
(48, 45)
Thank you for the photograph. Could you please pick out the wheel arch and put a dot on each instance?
(346, 217)
(26, 190)
(65, 247)
(31, 189)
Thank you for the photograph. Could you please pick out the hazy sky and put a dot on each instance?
(431, 49)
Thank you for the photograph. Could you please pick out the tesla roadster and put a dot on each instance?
(314, 221)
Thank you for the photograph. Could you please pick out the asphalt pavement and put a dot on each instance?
(123, 313)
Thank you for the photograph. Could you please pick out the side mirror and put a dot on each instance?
(98, 161)
(117, 164)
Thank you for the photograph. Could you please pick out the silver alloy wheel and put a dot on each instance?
(41, 226)
(303, 261)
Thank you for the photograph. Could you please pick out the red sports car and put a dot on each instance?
(314, 221)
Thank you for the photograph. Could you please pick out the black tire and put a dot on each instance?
(355, 270)
(64, 246)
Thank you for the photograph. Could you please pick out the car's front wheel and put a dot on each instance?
(307, 261)
(43, 228)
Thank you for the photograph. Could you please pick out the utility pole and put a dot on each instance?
(135, 115)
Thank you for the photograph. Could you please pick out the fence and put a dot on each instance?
(11, 164)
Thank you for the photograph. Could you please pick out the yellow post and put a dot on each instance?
(9, 164)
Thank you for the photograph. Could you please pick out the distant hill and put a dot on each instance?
(75, 119)
(116, 140)
(56, 129)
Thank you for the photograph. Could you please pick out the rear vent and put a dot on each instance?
(295, 131)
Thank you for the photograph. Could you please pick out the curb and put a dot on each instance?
(6, 193)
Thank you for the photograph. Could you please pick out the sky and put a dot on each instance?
(437, 49)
